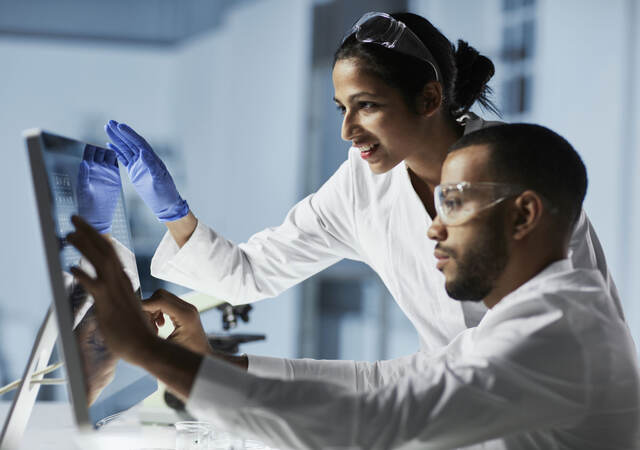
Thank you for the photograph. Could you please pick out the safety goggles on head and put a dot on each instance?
(382, 29)
(456, 203)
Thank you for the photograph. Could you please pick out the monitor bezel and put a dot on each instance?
(70, 350)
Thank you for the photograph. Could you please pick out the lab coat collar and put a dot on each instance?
(562, 265)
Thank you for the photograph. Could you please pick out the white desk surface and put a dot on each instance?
(51, 427)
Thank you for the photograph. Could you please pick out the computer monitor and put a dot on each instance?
(100, 386)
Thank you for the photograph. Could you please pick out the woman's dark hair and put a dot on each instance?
(464, 72)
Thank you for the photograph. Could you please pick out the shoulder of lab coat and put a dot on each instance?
(585, 252)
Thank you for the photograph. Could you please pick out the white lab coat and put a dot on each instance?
(552, 366)
(374, 218)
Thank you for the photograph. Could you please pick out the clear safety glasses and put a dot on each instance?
(382, 29)
(456, 203)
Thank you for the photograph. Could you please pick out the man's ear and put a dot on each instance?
(528, 212)
(430, 99)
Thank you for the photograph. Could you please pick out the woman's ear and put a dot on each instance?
(528, 213)
(430, 99)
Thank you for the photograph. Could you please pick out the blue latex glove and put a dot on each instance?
(147, 172)
(98, 189)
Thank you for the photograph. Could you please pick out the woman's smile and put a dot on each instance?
(366, 151)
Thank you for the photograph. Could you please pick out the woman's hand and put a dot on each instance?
(147, 172)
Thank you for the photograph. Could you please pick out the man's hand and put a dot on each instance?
(188, 330)
(127, 329)
(124, 326)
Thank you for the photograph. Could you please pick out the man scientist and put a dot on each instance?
(551, 365)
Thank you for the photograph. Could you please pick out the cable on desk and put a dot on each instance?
(49, 381)
(14, 384)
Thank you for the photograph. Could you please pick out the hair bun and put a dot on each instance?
(473, 73)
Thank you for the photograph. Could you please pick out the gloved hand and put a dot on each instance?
(147, 172)
(99, 187)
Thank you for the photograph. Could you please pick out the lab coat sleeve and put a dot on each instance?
(460, 399)
(355, 376)
(585, 252)
(316, 233)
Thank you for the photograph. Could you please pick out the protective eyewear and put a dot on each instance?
(457, 203)
(382, 29)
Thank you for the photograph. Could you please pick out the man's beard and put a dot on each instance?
(482, 264)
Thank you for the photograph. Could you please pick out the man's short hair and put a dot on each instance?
(535, 158)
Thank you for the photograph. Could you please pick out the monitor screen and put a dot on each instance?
(83, 179)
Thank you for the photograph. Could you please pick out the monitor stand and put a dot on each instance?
(16, 421)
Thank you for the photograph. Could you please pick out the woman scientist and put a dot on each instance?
(405, 94)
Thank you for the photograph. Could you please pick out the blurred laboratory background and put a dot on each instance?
(236, 97)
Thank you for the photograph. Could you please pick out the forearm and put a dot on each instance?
(240, 361)
(182, 229)
(174, 365)
(177, 366)
(270, 262)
